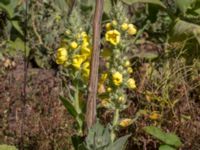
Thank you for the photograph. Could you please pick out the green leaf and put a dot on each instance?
(98, 137)
(19, 45)
(197, 11)
(119, 144)
(62, 5)
(107, 6)
(183, 30)
(156, 132)
(9, 7)
(77, 141)
(167, 138)
(166, 147)
(147, 55)
(5, 2)
(172, 139)
(156, 2)
(184, 5)
(7, 147)
(17, 26)
(69, 106)
(8, 10)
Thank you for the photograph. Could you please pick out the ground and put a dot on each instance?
(48, 126)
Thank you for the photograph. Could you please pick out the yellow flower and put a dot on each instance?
(154, 115)
(129, 70)
(103, 78)
(109, 89)
(78, 60)
(101, 88)
(85, 43)
(74, 45)
(68, 32)
(124, 26)
(125, 122)
(86, 65)
(108, 26)
(86, 73)
(61, 56)
(84, 36)
(131, 83)
(86, 69)
(113, 36)
(107, 64)
(117, 78)
(85, 51)
(121, 100)
(105, 103)
(127, 63)
(131, 29)
(114, 23)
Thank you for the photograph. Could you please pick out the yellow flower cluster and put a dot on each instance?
(117, 78)
(61, 56)
(128, 27)
(75, 53)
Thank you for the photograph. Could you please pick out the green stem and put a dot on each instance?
(115, 121)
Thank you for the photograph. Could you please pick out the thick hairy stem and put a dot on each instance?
(91, 102)
(115, 121)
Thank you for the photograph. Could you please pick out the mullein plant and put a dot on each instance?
(73, 57)
(116, 77)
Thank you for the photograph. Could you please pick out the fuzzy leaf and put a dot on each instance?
(98, 137)
(167, 138)
(119, 144)
(68, 105)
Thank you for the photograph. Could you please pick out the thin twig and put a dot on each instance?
(35, 29)
(24, 92)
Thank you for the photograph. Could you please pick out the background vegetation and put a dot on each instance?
(164, 56)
